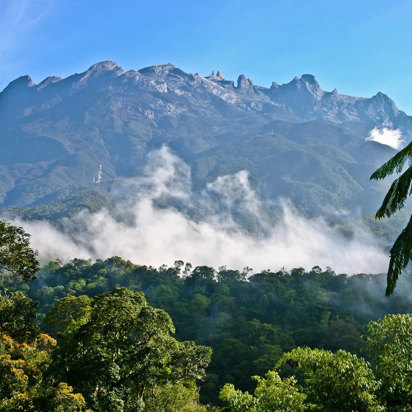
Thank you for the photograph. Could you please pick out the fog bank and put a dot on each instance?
(162, 220)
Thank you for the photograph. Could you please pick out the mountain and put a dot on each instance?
(296, 140)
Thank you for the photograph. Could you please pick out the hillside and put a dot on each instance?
(296, 140)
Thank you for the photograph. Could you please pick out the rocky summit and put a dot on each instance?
(296, 140)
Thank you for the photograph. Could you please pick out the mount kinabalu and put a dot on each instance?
(296, 140)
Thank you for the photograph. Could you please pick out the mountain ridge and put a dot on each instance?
(306, 84)
(55, 134)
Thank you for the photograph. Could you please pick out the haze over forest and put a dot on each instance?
(196, 168)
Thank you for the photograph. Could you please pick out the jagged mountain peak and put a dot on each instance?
(216, 76)
(21, 82)
(47, 81)
(61, 128)
(159, 69)
(100, 70)
(382, 97)
(310, 78)
(306, 81)
(300, 99)
(244, 83)
(386, 105)
(103, 66)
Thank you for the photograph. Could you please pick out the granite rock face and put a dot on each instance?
(295, 139)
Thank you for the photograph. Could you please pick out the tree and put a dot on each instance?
(390, 349)
(401, 252)
(69, 313)
(174, 397)
(18, 317)
(341, 381)
(23, 386)
(16, 255)
(271, 394)
(335, 381)
(25, 356)
(120, 353)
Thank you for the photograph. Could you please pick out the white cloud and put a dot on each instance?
(205, 229)
(389, 137)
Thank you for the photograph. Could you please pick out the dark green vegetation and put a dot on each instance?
(401, 252)
(296, 140)
(16, 256)
(249, 324)
(115, 350)
(114, 353)
(338, 381)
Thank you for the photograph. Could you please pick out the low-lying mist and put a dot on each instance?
(159, 220)
(389, 137)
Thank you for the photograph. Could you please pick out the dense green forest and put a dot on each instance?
(249, 320)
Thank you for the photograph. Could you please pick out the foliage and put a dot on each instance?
(23, 385)
(249, 324)
(16, 256)
(335, 381)
(69, 313)
(271, 394)
(61, 399)
(25, 357)
(173, 397)
(17, 315)
(401, 252)
(123, 351)
(116, 352)
(390, 349)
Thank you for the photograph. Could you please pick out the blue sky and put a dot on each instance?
(360, 47)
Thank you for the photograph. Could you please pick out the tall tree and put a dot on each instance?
(271, 394)
(390, 349)
(337, 381)
(25, 356)
(18, 317)
(16, 255)
(120, 350)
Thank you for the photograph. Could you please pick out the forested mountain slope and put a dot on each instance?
(296, 140)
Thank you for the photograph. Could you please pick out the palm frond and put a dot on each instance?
(395, 163)
(401, 254)
(397, 195)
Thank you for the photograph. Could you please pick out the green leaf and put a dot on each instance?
(395, 163)
(401, 254)
(396, 196)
